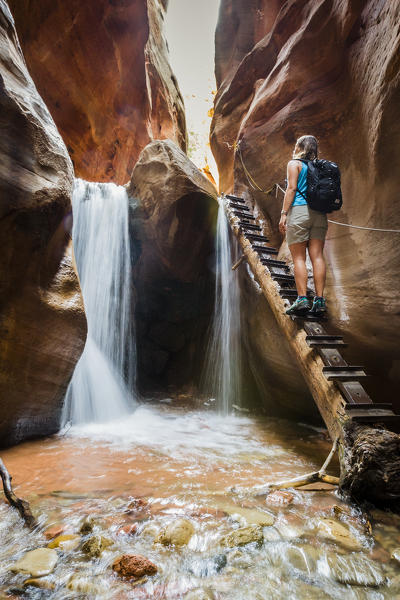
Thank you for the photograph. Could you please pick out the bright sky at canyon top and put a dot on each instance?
(190, 30)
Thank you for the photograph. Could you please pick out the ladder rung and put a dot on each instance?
(251, 226)
(270, 262)
(283, 277)
(325, 344)
(239, 206)
(309, 317)
(392, 422)
(243, 215)
(354, 392)
(266, 250)
(235, 198)
(325, 341)
(343, 373)
(368, 406)
(256, 236)
(292, 293)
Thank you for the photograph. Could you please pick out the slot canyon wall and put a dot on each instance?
(331, 69)
(42, 323)
(102, 68)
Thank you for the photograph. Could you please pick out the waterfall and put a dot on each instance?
(222, 374)
(104, 378)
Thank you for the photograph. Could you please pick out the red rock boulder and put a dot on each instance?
(133, 566)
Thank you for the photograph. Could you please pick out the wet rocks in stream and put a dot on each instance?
(65, 542)
(355, 569)
(94, 546)
(206, 567)
(133, 566)
(37, 562)
(177, 533)
(332, 531)
(200, 594)
(396, 555)
(243, 536)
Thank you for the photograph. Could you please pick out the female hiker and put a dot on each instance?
(305, 229)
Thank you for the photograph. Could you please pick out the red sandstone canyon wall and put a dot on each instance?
(102, 68)
(332, 69)
(42, 323)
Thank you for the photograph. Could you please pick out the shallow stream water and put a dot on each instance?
(167, 462)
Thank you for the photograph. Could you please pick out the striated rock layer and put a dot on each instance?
(174, 212)
(285, 69)
(102, 68)
(42, 325)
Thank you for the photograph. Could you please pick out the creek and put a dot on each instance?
(174, 460)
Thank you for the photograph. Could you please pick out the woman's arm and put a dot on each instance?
(292, 177)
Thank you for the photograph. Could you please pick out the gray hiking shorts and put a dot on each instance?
(305, 224)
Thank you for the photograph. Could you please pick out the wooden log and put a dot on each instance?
(21, 505)
(328, 398)
(239, 262)
(369, 455)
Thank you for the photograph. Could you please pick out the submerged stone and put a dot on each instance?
(332, 531)
(95, 545)
(133, 566)
(65, 542)
(41, 583)
(279, 498)
(243, 536)
(200, 594)
(54, 531)
(396, 555)
(252, 516)
(85, 585)
(37, 562)
(208, 567)
(177, 533)
(355, 569)
(87, 525)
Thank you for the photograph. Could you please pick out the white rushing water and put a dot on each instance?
(222, 375)
(103, 382)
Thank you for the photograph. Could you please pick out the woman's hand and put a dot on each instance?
(282, 224)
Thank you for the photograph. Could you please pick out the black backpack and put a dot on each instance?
(323, 185)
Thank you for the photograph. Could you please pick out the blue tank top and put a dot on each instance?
(302, 186)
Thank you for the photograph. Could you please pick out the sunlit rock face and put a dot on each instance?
(102, 68)
(42, 322)
(294, 68)
(173, 222)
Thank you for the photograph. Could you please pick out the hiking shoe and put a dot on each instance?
(319, 306)
(300, 306)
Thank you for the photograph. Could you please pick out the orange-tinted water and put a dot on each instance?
(204, 467)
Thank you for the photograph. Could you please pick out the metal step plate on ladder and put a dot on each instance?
(343, 373)
(370, 406)
(243, 215)
(250, 226)
(279, 264)
(353, 392)
(325, 341)
(258, 238)
(264, 249)
(235, 198)
(239, 206)
(292, 293)
(281, 278)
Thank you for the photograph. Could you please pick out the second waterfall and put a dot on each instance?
(222, 375)
(102, 385)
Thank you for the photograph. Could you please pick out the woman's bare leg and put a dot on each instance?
(315, 250)
(298, 252)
